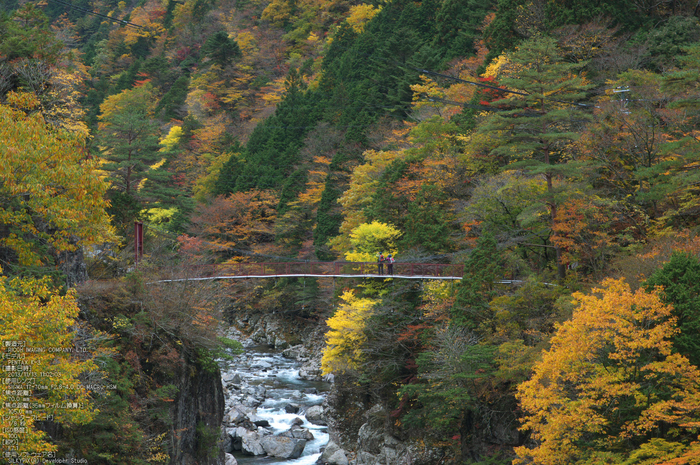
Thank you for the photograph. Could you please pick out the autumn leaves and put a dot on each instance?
(610, 383)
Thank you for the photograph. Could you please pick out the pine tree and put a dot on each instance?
(537, 123)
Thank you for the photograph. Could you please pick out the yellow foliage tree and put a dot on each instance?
(610, 383)
(343, 350)
(40, 365)
(50, 193)
(360, 15)
(370, 239)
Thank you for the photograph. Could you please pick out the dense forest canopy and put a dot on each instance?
(553, 143)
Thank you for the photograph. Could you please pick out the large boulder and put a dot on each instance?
(234, 417)
(298, 352)
(283, 447)
(230, 459)
(311, 371)
(250, 441)
(333, 455)
(297, 432)
(250, 401)
(338, 458)
(232, 378)
(314, 414)
(292, 408)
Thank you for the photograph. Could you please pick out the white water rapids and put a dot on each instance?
(258, 366)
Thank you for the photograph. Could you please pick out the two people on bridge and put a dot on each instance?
(389, 264)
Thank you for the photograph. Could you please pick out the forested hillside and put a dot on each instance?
(551, 143)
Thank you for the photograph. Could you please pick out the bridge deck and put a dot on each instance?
(307, 275)
(402, 270)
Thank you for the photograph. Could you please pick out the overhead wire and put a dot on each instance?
(92, 12)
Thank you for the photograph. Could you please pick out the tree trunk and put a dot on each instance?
(561, 269)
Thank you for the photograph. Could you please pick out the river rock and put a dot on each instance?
(250, 441)
(314, 414)
(261, 364)
(339, 458)
(231, 441)
(234, 417)
(232, 378)
(311, 371)
(283, 447)
(280, 343)
(226, 441)
(229, 459)
(370, 438)
(297, 432)
(251, 401)
(292, 408)
(297, 422)
(258, 392)
(333, 455)
(259, 336)
(298, 352)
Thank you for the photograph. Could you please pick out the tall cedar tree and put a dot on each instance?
(533, 130)
(221, 49)
(128, 139)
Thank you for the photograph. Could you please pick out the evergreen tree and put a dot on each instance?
(483, 268)
(680, 279)
(537, 123)
(128, 139)
(221, 49)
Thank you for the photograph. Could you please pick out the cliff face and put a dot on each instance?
(197, 414)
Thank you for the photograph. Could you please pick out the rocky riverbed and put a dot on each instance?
(273, 410)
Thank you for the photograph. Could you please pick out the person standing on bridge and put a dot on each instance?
(380, 264)
(390, 264)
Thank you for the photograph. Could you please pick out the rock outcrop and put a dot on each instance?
(197, 414)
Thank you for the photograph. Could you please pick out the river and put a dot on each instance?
(274, 378)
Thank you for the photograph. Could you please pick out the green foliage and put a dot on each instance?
(476, 289)
(123, 209)
(26, 34)
(667, 43)
(127, 78)
(517, 20)
(680, 280)
(446, 388)
(273, 148)
(171, 104)
(428, 222)
(129, 138)
(457, 23)
(221, 49)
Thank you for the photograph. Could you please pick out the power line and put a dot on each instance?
(92, 12)
(500, 89)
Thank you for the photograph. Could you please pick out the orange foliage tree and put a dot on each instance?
(611, 387)
(233, 224)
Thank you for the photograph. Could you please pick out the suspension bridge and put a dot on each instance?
(401, 270)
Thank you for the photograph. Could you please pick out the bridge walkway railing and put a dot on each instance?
(277, 269)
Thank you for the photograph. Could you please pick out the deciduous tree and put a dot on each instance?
(39, 319)
(611, 384)
(235, 223)
(50, 193)
(343, 350)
